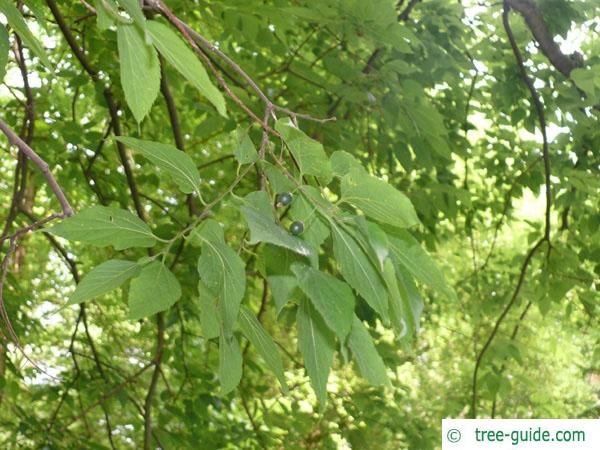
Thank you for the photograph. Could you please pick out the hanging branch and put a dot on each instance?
(546, 237)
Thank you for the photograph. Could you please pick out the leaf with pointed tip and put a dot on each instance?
(331, 297)
(308, 153)
(378, 199)
(177, 53)
(359, 272)
(418, 262)
(369, 362)
(223, 272)
(317, 344)
(173, 161)
(140, 70)
(244, 152)
(230, 363)
(105, 225)
(254, 331)
(153, 291)
(16, 21)
(259, 214)
(102, 279)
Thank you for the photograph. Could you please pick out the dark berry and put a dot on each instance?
(296, 228)
(284, 199)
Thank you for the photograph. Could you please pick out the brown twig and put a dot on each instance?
(546, 237)
(160, 343)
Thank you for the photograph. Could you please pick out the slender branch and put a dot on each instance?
(196, 39)
(160, 342)
(14, 139)
(546, 237)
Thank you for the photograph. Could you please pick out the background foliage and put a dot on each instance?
(466, 134)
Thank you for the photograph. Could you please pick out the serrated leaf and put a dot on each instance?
(369, 362)
(258, 336)
(230, 363)
(105, 225)
(153, 291)
(378, 199)
(332, 298)
(140, 70)
(223, 272)
(244, 152)
(418, 262)
(4, 48)
(317, 344)
(307, 152)
(102, 279)
(177, 53)
(16, 21)
(259, 214)
(359, 272)
(173, 161)
(209, 317)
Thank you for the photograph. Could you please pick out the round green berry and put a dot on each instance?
(284, 199)
(296, 228)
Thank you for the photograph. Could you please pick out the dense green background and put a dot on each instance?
(428, 95)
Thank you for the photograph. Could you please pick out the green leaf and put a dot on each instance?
(331, 297)
(105, 225)
(4, 47)
(176, 52)
(317, 344)
(584, 80)
(412, 301)
(135, 12)
(377, 199)
(209, 317)
(223, 272)
(16, 21)
(277, 179)
(259, 214)
(244, 152)
(342, 162)
(369, 362)
(307, 152)
(173, 161)
(315, 230)
(102, 279)
(230, 363)
(359, 272)
(282, 287)
(106, 12)
(154, 290)
(254, 331)
(418, 262)
(140, 70)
